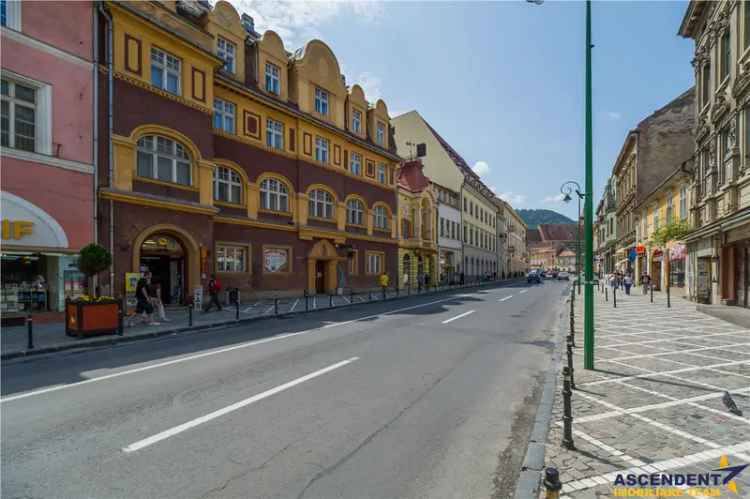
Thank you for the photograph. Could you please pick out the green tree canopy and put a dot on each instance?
(94, 259)
(670, 232)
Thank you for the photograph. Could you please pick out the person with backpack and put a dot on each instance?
(214, 288)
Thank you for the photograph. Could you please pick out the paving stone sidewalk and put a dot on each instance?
(654, 402)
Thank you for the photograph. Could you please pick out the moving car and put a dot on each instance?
(534, 277)
(563, 276)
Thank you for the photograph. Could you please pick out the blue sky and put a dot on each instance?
(503, 82)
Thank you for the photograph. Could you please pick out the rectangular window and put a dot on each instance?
(656, 219)
(380, 134)
(321, 101)
(466, 239)
(227, 51)
(3, 13)
(465, 204)
(10, 14)
(231, 259)
(442, 227)
(724, 151)
(683, 202)
(224, 115)
(165, 71)
(669, 207)
(381, 173)
(19, 116)
(726, 55)
(321, 150)
(274, 134)
(356, 121)
(375, 263)
(355, 163)
(273, 82)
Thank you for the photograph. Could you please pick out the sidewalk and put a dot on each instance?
(654, 402)
(51, 337)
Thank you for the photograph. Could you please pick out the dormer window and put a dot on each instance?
(357, 121)
(380, 134)
(321, 101)
(227, 51)
(273, 83)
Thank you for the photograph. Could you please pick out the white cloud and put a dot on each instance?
(481, 168)
(512, 197)
(614, 115)
(557, 198)
(297, 21)
(370, 84)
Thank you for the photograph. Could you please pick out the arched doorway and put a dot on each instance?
(322, 274)
(172, 257)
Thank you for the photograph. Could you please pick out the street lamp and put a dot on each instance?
(568, 188)
(588, 223)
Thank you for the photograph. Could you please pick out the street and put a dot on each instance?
(430, 396)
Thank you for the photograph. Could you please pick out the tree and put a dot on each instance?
(670, 232)
(92, 260)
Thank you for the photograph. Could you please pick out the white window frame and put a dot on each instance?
(357, 121)
(380, 217)
(322, 204)
(42, 111)
(670, 208)
(231, 259)
(375, 263)
(683, 202)
(321, 101)
(380, 133)
(228, 52)
(13, 15)
(274, 134)
(321, 150)
(225, 112)
(230, 178)
(274, 195)
(355, 163)
(355, 212)
(273, 78)
(166, 67)
(173, 156)
(380, 174)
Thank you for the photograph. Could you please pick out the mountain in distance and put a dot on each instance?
(534, 217)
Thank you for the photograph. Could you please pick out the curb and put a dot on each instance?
(529, 479)
(212, 325)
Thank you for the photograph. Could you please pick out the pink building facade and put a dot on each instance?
(48, 161)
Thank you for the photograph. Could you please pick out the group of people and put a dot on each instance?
(617, 280)
(148, 300)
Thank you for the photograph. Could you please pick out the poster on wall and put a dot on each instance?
(131, 283)
(276, 260)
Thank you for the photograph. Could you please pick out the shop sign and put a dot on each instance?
(27, 224)
(640, 249)
(198, 298)
(275, 260)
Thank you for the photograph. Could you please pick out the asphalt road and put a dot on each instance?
(429, 397)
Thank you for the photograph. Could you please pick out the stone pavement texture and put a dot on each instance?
(52, 335)
(654, 402)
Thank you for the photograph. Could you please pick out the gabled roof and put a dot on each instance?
(558, 232)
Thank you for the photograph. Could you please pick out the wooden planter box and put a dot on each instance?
(83, 319)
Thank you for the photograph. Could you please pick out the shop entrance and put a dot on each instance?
(320, 277)
(703, 280)
(165, 257)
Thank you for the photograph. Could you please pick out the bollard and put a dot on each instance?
(606, 294)
(351, 295)
(237, 310)
(121, 317)
(369, 296)
(190, 315)
(652, 292)
(669, 303)
(572, 324)
(307, 302)
(330, 301)
(552, 483)
(569, 348)
(567, 441)
(614, 297)
(30, 332)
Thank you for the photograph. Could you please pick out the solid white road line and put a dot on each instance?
(458, 316)
(216, 352)
(506, 298)
(231, 408)
(523, 291)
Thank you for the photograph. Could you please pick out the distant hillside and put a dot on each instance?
(535, 217)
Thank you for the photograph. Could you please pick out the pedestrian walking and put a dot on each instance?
(406, 280)
(155, 294)
(144, 310)
(627, 282)
(384, 280)
(645, 282)
(214, 287)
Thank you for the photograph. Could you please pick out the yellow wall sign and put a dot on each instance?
(17, 229)
(131, 281)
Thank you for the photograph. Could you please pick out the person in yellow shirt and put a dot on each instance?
(384, 280)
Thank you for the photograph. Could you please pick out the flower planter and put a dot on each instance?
(88, 318)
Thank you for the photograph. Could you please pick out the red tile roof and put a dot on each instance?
(411, 176)
(558, 232)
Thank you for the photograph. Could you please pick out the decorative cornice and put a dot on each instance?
(161, 93)
(44, 159)
(154, 202)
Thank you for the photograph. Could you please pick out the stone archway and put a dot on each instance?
(322, 259)
(189, 245)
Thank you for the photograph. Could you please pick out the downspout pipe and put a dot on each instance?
(110, 151)
(95, 130)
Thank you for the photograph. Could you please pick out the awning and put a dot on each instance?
(678, 252)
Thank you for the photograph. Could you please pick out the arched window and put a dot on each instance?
(227, 185)
(274, 195)
(355, 211)
(163, 159)
(380, 215)
(321, 204)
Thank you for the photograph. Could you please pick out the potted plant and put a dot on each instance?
(92, 314)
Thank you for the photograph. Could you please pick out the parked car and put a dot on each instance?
(563, 276)
(534, 277)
